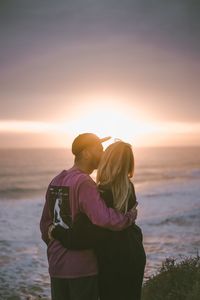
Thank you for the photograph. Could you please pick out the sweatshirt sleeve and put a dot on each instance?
(99, 214)
(45, 221)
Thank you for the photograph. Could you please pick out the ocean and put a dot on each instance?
(167, 183)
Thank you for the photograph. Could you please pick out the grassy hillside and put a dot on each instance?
(175, 281)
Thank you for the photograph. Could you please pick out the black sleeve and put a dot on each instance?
(82, 235)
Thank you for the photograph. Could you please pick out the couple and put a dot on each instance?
(90, 228)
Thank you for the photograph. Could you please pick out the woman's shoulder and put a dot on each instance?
(132, 196)
(106, 193)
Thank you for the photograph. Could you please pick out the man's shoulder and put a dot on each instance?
(56, 180)
(71, 177)
(78, 177)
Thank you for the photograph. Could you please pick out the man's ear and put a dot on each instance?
(86, 154)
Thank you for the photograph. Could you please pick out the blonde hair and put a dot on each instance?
(115, 169)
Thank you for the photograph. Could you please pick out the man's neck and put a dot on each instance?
(84, 167)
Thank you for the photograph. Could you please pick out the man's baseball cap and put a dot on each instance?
(85, 140)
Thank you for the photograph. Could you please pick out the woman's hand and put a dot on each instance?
(51, 228)
(134, 211)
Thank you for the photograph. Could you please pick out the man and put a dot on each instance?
(74, 273)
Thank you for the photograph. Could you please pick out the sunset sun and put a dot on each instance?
(107, 118)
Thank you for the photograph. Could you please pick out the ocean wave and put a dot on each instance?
(33, 173)
(195, 173)
(20, 192)
(165, 175)
(159, 194)
(184, 220)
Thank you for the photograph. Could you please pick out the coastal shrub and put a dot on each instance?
(175, 281)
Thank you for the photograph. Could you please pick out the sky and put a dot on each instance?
(129, 69)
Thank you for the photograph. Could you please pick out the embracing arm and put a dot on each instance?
(99, 214)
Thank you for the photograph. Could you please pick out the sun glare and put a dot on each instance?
(109, 119)
(25, 126)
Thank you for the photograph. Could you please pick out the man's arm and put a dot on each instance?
(95, 208)
(45, 221)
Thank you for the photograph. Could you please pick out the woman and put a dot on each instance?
(121, 256)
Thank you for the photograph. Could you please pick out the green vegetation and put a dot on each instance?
(175, 281)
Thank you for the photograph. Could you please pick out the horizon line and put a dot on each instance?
(68, 148)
